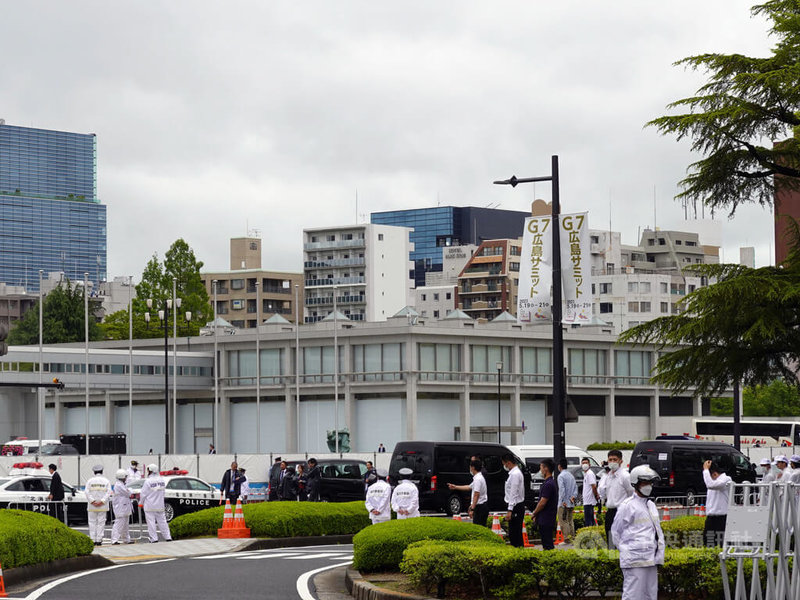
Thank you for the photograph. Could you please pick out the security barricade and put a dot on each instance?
(58, 509)
(763, 526)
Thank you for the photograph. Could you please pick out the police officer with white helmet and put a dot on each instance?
(637, 533)
(151, 499)
(98, 493)
(121, 502)
(405, 498)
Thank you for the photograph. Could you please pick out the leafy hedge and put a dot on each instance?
(682, 532)
(279, 519)
(475, 569)
(611, 446)
(28, 538)
(533, 529)
(381, 546)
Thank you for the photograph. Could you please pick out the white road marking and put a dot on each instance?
(260, 556)
(310, 556)
(226, 555)
(302, 582)
(46, 588)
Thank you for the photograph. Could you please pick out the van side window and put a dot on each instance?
(452, 461)
(492, 464)
(686, 460)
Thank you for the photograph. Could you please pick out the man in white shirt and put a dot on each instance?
(784, 470)
(405, 498)
(716, 503)
(590, 494)
(769, 477)
(151, 498)
(515, 500)
(614, 488)
(98, 493)
(479, 499)
(244, 488)
(379, 495)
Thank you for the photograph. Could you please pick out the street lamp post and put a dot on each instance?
(559, 392)
(216, 366)
(499, 366)
(258, 368)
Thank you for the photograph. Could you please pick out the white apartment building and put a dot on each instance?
(437, 297)
(366, 267)
(634, 284)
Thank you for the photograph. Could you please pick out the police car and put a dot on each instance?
(184, 494)
(27, 486)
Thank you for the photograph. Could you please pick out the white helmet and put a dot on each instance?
(122, 474)
(643, 473)
(152, 468)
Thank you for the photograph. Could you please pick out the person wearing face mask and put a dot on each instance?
(614, 488)
(639, 537)
(784, 470)
(515, 499)
(590, 494)
(769, 477)
(716, 503)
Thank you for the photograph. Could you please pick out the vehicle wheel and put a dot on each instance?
(169, 511)
(454, 505)
(691, 498)
(324, 499)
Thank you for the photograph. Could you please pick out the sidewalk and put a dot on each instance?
(126, 553)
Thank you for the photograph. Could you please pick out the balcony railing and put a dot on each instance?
(335, 244)
(334, 281)
(336, 262)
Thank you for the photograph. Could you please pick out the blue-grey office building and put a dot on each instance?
(50, 215)
(441, 226)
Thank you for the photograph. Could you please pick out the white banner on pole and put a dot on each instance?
(576, 268)
(534, 301)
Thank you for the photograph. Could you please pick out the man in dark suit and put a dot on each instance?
(274, 479)
(314, 480)
(231, 485)
(56, 495)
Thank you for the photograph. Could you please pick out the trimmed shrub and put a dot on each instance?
(437, 565)
(684, 532)
(611, 446)
(381, 546)
(28, 538)
(279, 519)
(591, 538)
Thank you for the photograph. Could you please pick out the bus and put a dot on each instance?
(753, 433)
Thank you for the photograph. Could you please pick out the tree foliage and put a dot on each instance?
(745, 327)
(63, 320)
(156, 284)
(777, 399)
(746, 106)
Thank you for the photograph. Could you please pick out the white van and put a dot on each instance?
(532, 456)
(23, 447)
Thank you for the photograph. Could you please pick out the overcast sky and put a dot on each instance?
(213, 117)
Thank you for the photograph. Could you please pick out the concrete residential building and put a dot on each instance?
(365, 266)
(443, 226)
(50, 216)
(399, 379)
(438, 296)
(237, 293)
(488, 283)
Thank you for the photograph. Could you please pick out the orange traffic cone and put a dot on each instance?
(237, 529)
(456, 517)
(666, 514)
(702, 510)
(525, 542)
(559, 535)
(496, 525)
(2, 584)
(227, 519)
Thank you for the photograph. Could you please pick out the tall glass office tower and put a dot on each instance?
(442, 226)
(50, 216)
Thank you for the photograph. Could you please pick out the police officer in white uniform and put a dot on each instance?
(405, 498)
(151, 499)
(133, 472)
(98, 493)
(121, 502)
(379, 495)
(769, 477)
(637, 532)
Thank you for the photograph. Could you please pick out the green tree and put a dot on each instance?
(181, 264)
(777, 399)
(745, 327)
(62, 319)
(746, 105)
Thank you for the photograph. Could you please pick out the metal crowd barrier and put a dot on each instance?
(44, 507)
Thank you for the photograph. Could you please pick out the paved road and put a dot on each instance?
(260, 574)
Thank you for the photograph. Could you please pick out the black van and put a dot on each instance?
(341, 480)
(435, 464)
(680, 465)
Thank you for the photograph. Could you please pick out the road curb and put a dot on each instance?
(297, 542)
(361, 589)
(19, 575)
